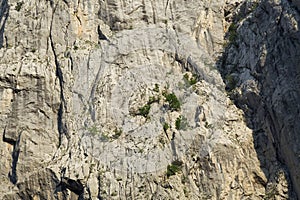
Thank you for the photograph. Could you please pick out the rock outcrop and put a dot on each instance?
(126, 99)
(261, 68)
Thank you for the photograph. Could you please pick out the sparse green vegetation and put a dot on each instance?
(156, 88)
(144, 111)
(33, 50)
(114, 194)
(166, 127)
(177, 123)
(181, 123)
(254, 6)
(153, 99)
(172, 100)
(19, 6)
(230, 82)
(118, 133)
(104, 137)
(190, 81)
(207, 125)
(165, 21)
(271, 193)
(185, 191)
(162, 141)
(184, 179)
(174, 168)
(93, 130)
(232, 32)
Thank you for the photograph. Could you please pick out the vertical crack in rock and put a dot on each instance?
(93, 90)
(15, 157)
(152, 48)
(62, 129)
(12, 135)
(101, 35)
(4, 12)
(99, 188)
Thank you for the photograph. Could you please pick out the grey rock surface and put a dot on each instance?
(126, 99)
(264, 64)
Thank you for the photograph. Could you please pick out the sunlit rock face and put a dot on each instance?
(146, 100)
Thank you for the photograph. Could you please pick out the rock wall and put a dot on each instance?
(261, 68)
(125, 100)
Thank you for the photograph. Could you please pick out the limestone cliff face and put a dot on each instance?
(263, 68)
(126, 99)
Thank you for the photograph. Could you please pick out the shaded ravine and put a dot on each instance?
(4, 12)
(260, 66)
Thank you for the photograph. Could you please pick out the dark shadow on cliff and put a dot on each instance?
(4, 11)
(254, 67)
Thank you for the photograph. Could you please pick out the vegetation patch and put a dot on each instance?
(153, 99)
(104, 137)
(181, 123)
(156, 88)
(174, 168)
(173, 101)
(166, 126)
(271, 193)
(144, 111)
(162, 141)
(231, 82)
(118, 133)
(93, 130)
(232, 30)
(190, 80)
(19, 6)
(207, 125)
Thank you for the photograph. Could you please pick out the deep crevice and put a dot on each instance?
(258, 107)
(13, 177)
(4, 12)
(101, 35)
(62, 129)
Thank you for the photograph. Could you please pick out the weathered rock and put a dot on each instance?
(269, 93)
(123, 99)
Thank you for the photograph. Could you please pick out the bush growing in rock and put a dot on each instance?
(173, 101)
(144, 111)
(174, 168)
(181, 123)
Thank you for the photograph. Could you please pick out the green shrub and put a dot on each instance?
(93, 130)
(144, 111)
(232, 32)
(181, 123)
(162, 141)
(156, 88)
(19, 6)
(190, 81)
(174, 168)
(231, 82)
(193, 80)
(118, 133)
(166, 127)
(173, 101)
(207, 125)
(153, 99)
(104, 137)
